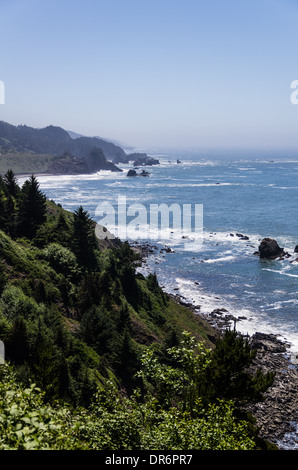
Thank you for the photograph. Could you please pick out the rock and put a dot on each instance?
(144, 160)
(96, 161)
(218, 311)
(131, 173)
(296, 249)
(134, 173)
(268, 342)
(277, 412)
(144, 173)
(68, 165)
(269, 249)
(167, 249)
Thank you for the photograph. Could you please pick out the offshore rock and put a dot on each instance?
(269, 249)
(131, 173)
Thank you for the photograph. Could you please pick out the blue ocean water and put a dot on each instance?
(257, 198)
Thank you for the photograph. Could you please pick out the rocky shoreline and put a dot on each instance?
(277, 415)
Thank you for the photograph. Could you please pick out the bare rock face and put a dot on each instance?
(269, 249)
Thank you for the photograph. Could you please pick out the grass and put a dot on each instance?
(25, 163)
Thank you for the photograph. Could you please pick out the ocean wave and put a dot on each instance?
(281, 272)
(223, 259)
(249, 321)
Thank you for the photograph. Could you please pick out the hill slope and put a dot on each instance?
(45, 145)
(118, 364)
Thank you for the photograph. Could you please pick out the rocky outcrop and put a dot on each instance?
(279, 408)
(269, 249)
(71, 165)
(144, 160)
(96, 161)
(132, 173)
(68, 165)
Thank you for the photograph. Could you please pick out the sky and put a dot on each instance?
(154, 73)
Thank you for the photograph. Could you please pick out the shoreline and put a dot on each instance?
(277, 415)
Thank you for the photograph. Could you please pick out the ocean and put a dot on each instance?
(256, 198)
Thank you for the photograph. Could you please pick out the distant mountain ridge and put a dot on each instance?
(54, 140)
(25, 149)
(123, 145)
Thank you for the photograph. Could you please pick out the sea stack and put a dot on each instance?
(269, 249)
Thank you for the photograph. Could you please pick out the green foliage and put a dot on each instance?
(179, 383)
(31, 208)
(84, 240)
(11, 183)
(228, 376)
(79, 323)
(15, 304)
(26, 423)
(113, 422)
(62, 260)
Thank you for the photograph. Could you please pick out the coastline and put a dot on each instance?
(280, 407)
(277, 415)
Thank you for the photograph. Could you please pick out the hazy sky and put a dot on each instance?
(201, 73)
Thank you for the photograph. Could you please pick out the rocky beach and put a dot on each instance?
(277, 415)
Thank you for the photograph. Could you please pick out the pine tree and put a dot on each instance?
(84, 239)
(31, 208)
(61, 233)
(11, 183)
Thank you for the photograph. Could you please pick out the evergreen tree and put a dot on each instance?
(228, 375)
(3, 278)
(84, 239)
(61, 232)
(11, 183)
(16, 344)
(31, 208)
(9, 214)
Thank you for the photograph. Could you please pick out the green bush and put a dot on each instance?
(61, 259)
(15, 304)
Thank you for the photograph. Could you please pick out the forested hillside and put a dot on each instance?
(98, 356)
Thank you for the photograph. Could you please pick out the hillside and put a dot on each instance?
(127, 365)
(20, 145)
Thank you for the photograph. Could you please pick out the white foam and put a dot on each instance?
(250, 322)
(281, 272)
(220, 260)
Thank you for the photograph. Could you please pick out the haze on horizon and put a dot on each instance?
(154, 73)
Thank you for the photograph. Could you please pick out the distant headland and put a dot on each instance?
(54, 150)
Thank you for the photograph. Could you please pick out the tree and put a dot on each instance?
(228, 374)
(31, 208)
(11, 183)
(84, 239)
